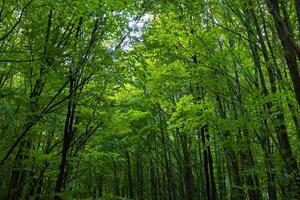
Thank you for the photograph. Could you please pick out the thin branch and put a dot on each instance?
(16, 24)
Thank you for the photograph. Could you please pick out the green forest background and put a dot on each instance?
(149, 99)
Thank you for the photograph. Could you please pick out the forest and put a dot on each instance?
(149, 99)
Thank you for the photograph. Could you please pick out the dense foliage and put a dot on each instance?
(150, 99)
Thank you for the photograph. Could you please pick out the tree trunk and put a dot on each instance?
(288, 45)
(187, 167)
(140, 175)
(18, 177)
(116, 180)
(154, 184)
(129, 176)
(211, 191)
(68, 137)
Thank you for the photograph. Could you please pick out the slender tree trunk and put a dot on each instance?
(129, 176)
(68, 137)
(288, 45)
(211, 191)
(168, 173)
(187, 169)
(116, 180)
(202, 185)
(100, 182)
(140, 175)
(18, 177)
(154, 184)
(221, 173)
(236, 187)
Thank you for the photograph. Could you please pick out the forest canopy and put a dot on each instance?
(149, 99)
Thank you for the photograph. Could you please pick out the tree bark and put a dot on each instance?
(129, 176)
(68, 137)
(187, 166)
(289, 46)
